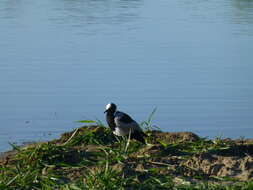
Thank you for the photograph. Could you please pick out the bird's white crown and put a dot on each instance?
(108, 106)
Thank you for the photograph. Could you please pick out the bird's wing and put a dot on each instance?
(124, 121)
(123, 117)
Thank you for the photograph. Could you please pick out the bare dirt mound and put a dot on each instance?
(231, 163)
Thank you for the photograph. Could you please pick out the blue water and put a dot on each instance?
(63, 60)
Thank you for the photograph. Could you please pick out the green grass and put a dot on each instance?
(92, 158)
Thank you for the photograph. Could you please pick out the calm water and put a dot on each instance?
(64, 60)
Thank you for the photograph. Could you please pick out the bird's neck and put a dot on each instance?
(110, 120)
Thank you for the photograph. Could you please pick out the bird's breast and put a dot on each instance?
(121, 131)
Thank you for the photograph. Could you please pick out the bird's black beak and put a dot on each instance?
(105, 111)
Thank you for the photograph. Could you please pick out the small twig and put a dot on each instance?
(71, 137)
(159, 163)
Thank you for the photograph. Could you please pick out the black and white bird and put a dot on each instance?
(122, 124)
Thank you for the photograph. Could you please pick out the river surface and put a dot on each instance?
(64, 60)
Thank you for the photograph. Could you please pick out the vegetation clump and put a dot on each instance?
(93, 158)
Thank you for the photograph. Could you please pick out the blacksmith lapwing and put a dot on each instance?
(122, 124)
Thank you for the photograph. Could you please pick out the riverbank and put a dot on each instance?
(92, 158)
